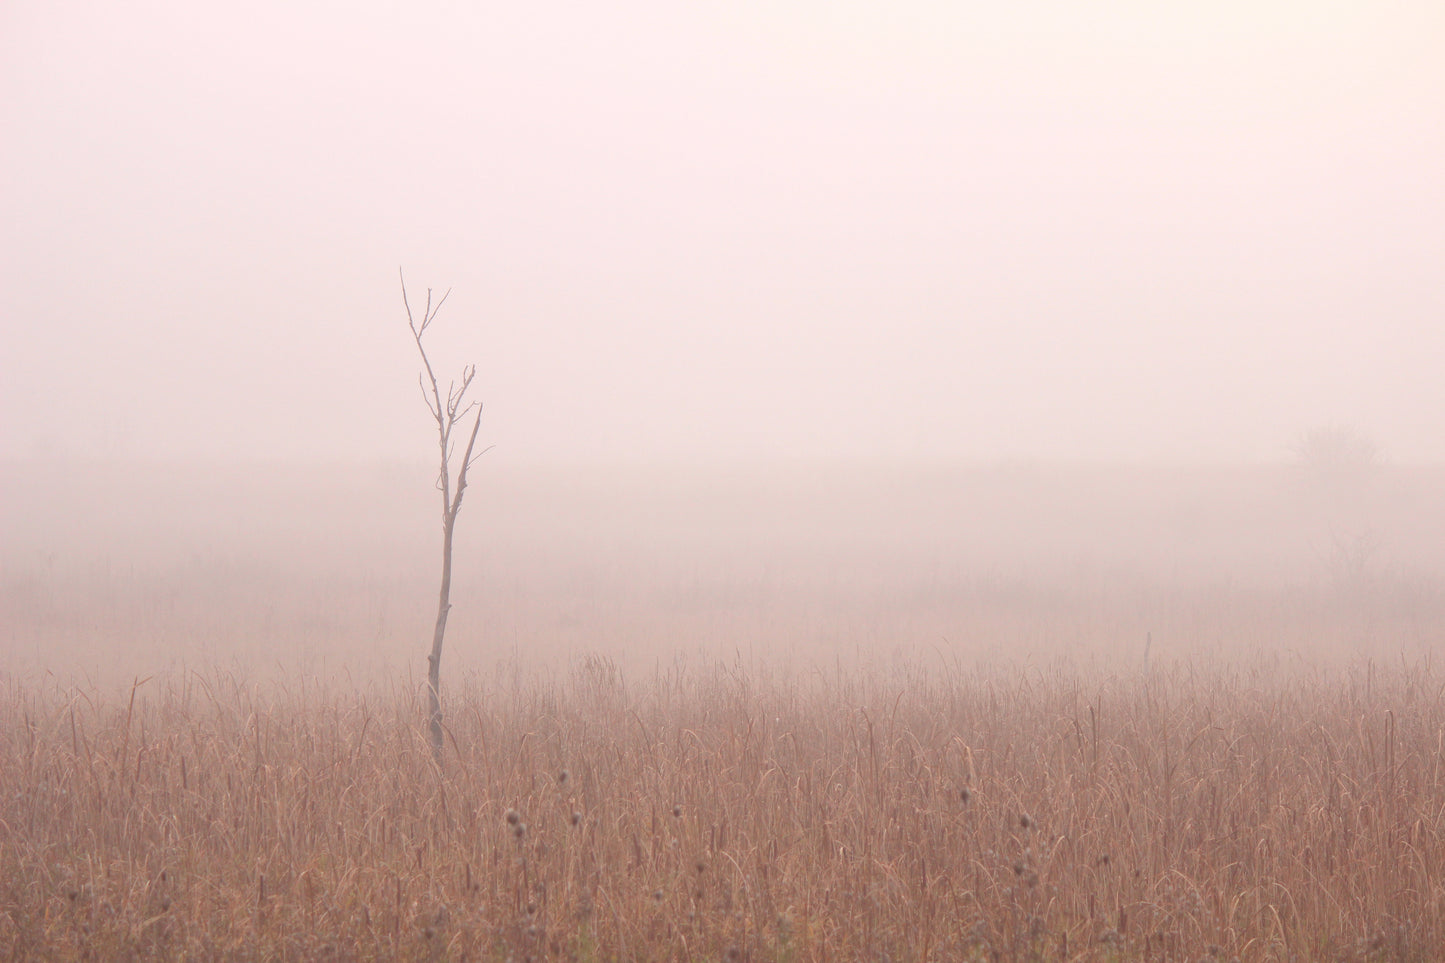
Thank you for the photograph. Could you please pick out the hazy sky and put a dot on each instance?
(733, 229)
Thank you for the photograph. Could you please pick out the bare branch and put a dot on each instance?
(429, 313)
(427, 398)
(407, 303)
(466, 463)
(479, 455)
(426, 363)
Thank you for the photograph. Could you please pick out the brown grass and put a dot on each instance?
(724, 814)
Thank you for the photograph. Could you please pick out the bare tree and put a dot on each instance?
(1340, 467)
(448, 414)
(1337, 456)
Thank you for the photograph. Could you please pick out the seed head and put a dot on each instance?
(562, 777)
(519, 830)
(576, 818)
(513, 817)
(1025, 821)
(677, 812)
(965, 795)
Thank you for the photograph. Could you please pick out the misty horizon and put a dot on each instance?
(118, 568)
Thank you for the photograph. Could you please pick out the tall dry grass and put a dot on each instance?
(727, 814)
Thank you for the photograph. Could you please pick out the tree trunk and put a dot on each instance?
(434, 661)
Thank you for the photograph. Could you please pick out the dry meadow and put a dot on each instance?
(973, 720)
(723, 814)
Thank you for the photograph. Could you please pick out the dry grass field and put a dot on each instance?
(795, 718)
(719, 813)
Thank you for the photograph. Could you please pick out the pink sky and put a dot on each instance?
(743, 230)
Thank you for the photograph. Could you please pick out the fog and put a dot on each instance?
(112, 571)
(802, 326)
(689, 230)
